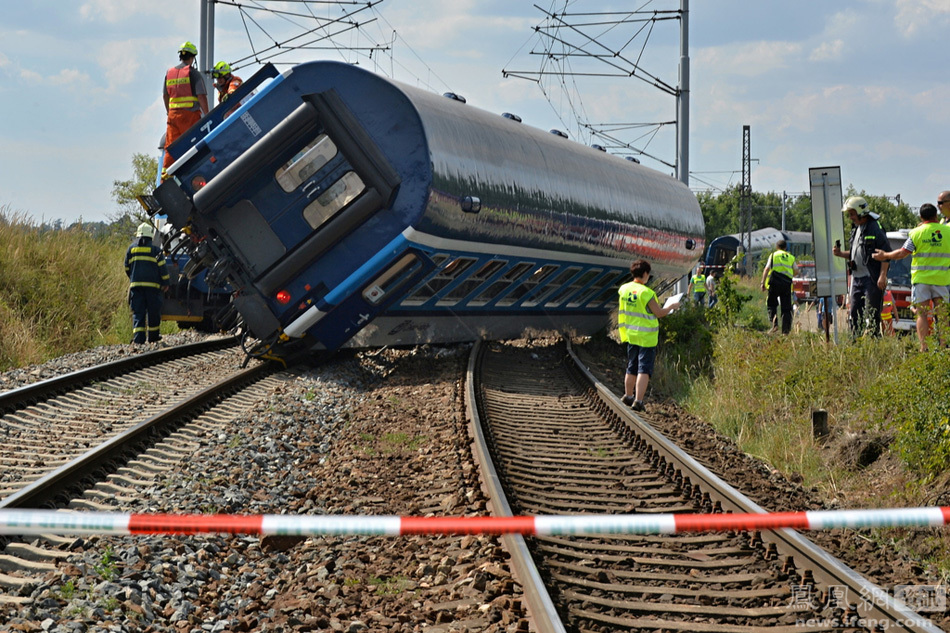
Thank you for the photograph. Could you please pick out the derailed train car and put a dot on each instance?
(345, 209)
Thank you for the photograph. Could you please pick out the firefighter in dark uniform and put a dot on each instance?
(148, 280)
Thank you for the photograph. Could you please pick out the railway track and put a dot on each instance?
(563, 444)
(47, 425)
(95, 439)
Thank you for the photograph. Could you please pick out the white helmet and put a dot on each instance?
(145, 230)
(860, 206)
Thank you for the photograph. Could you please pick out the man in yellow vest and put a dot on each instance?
(639, 328)
(698, 286)
(929, 268)
(777, 277)
(943, 206)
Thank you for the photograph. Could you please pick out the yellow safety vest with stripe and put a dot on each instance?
(178, 86)
(636, 324)
(931, 260)
(783, 263)
(699, 283)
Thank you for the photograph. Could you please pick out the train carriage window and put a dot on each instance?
(608, 290)
(440, 280)
(585, 296)
(391, 279)
(553, 287)
(502, 284)
(528, 285)
(337, 196)
(306, 163)
(576, 285)
(474, 281)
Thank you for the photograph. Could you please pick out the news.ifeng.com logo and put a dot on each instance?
(918, 598)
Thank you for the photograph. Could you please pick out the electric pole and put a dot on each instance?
(745, 195)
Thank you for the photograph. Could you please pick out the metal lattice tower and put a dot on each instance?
(745, 194)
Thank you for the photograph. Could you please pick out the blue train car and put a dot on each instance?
(346, 209)
(724, 248)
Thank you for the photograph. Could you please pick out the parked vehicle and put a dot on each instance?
(898, 282)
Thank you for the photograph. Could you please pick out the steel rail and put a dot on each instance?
(46, 491)
(27, 395)
(537, 600)
(805, 555)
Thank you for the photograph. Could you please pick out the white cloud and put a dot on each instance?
(914, 16)
(120, 62)
(827, 51)
(751, 59)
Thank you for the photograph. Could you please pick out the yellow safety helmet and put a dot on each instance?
(221, 69)
(189, 49)
(145, 230)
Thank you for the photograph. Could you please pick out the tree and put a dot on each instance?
(723, 212)
(130, 213)
(893, 216)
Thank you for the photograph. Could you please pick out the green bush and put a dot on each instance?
(909, 400)
(685, 350)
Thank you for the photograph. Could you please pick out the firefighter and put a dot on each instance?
(224, 81)
(777, 278)
(868, 275)
(148, 280)
(185, 97)
(888, 313)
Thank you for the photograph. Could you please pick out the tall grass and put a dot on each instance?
(61, 291)
(763, 389)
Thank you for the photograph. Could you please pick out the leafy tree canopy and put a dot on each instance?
(722, 211)
(130, 213)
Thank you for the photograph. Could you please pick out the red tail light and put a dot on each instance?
(283, 297)
(198, 182)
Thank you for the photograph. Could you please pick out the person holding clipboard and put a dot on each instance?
(639, 327)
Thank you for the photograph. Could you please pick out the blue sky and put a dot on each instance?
(861, 84)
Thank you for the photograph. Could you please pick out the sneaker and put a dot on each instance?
(637, 405)
(627, 400)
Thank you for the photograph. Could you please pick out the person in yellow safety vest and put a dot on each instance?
(698, 286)
(777, 277)
(943, 206)
(185, 97)
(638, 327)
(929, 268)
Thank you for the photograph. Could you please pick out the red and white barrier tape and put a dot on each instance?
(64, 522)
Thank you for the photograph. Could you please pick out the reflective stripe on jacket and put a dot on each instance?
(783, 263)
(228, 89)
(931, 260)
(178, 86)
(145, 265)
(636, 324)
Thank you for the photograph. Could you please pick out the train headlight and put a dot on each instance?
(283, 297)
(198, 182)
